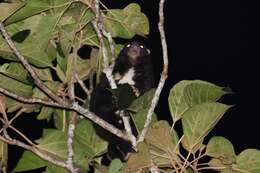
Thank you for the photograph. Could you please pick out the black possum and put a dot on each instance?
(133, 66)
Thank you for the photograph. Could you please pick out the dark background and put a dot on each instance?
(207, 40)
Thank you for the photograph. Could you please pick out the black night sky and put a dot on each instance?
(207, 40)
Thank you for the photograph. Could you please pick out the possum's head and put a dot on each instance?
(135, 51)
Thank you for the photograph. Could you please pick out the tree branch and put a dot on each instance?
(75, 107)
(126, 121)
(28, 67)
(31, 100)
(82, 85)
(7, 139)
(70, 158)
(98, 26)
(164, 73)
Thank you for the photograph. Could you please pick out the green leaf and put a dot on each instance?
(90, 37)
(52, 168)
(186, 94)
(160, 136)
(90, 142)
(66, 37)
(142, 102)
(84, 67)
(7, 9)
(15, 86)
(13, 105)
(222, 149)
(61, 119)
(248, 160)
(62, 63)
(52, 85)
(73, 21)
(40, 29)
(43, 74)
(127, 22)
(124, 94)
(46, 113)
(199, 120)
(139, 109)
(61, 74)
(139, 118)
(29, 161)
(15, 71)
(33, 7)
(115, 166)
(53, 142)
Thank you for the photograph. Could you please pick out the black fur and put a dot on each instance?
(144, 77)
(134, 55)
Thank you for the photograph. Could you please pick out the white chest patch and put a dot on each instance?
(128, 77)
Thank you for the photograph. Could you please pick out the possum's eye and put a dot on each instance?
(141, 46)
(128, 45)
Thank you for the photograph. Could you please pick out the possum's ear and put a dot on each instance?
(148, 51)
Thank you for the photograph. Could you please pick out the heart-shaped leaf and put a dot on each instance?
(199, 120)
(248, 160)
(222, 149)
(127, 22)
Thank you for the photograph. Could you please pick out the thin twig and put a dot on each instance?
(22, 135)
(186, 161)
(2, 110)
(71, 129)
(154, 169)
(211, 168)
(28, 67)
(83, 86)
(126, 121)
(164, 74)
(111, 44)
(174, 159)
